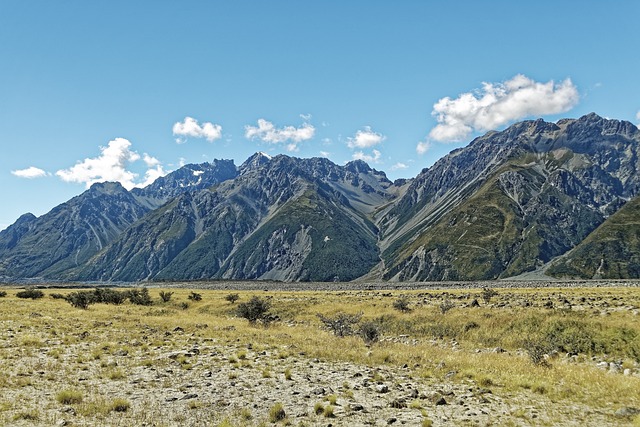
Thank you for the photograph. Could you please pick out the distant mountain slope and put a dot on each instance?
(69, 234)
(511, 200)
(612, 251)
(281, 218)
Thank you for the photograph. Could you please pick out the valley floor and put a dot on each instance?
(542, 355)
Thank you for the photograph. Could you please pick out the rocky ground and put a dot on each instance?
(205, 383)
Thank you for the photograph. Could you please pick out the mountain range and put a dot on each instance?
(559, 199)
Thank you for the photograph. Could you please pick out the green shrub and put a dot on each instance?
(342, 324)
(232, 298)
(194, 296)
(81, 299)
(370, 332)
(139, 296)
(30, 293)
(254, 310)
(165, 296)
(402, 304)
(3, 294)
(109, 296)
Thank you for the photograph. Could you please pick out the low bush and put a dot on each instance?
(194, 296)
(165, 296)
(3, 294)
(402, 304)
(254, 310)
(232, 298)
(342, 324)
(139, 296)
(30, 293)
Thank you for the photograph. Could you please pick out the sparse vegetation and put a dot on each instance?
(3, 294)
(573, 353)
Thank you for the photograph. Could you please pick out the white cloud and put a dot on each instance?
(360, 155)
(190, 127)
(30, 173)
(399, 166)
(112, 165)
(305, 117)
(423, 147)
(365, 139)
(151, 175)
(150, 161)
(638, 118)
(325, 154)
(267, 132)
(497, 104)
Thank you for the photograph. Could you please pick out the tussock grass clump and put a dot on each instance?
(69, 397)
(120, 405)
(277, 413)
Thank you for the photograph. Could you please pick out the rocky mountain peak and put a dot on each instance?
(107, 188)
(254, 162)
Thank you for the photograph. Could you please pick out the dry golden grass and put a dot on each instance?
(38, 337)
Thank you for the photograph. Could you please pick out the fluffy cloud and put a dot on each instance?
(497, 104)
(365, 139)
(292, 136)
(360, 155)
(423, 147)
(112, 165)
(190, 127)
(30, 173)
(151, 175)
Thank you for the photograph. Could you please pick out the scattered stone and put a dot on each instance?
(398, 403)
(319, 391)
(189, 396)
(357, 407)
(392, 420)
(382, 388)
(627, 412)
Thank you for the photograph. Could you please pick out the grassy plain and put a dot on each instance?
(540, 356)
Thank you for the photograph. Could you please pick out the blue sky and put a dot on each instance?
(126, 90)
